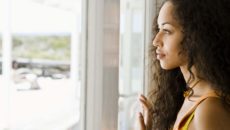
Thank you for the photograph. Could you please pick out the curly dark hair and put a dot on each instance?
(206, 28)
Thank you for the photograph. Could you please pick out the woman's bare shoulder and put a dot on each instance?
(211, 114)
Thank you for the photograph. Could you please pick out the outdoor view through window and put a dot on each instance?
(44, 84)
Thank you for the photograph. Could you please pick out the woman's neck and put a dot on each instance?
(201, 87)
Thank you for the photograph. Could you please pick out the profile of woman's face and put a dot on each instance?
(168, 39)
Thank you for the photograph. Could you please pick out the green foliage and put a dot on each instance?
(55, 47)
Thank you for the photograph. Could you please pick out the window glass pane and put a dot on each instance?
(1, 15)
(131, 61)
(44, 95)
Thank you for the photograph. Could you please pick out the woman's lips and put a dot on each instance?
(160, 56)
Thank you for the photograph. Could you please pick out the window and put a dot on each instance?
(45, 82)
(49, 68)
(131, 73)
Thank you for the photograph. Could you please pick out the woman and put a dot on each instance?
(191, 68)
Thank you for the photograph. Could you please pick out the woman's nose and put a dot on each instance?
(157, 40)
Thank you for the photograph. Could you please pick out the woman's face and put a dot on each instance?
(168, 39)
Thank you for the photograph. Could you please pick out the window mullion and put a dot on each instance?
(6, 64)
(102, 65)
(150, 12)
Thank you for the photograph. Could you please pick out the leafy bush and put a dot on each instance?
(52, 47)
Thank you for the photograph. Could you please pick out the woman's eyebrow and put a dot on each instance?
(169, 23)
(165, 23)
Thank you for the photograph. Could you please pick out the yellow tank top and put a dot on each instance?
(185, 126)
(190, 114)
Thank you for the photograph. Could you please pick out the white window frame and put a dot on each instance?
(99, 99)
(6, 65)
(150, 13)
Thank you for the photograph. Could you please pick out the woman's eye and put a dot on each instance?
(166, 31)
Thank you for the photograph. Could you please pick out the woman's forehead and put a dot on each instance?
(166, 15)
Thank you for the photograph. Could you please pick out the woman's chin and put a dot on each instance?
(167, 67)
